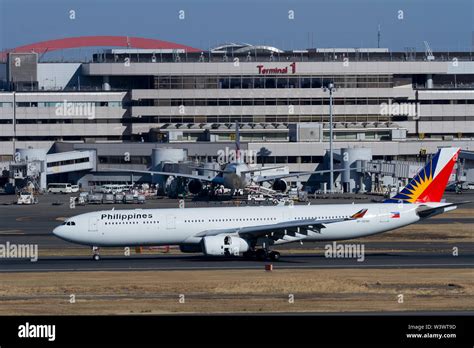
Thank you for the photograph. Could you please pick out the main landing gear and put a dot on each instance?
(263, 254)
(95, 253)
(274, 255)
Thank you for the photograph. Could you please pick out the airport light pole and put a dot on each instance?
(331, 89)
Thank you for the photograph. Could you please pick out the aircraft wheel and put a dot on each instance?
(274, 256)
(96, 257)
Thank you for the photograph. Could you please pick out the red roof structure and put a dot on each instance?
(99, 41)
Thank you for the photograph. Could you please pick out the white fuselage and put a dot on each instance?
(180, 226)
(233, 176)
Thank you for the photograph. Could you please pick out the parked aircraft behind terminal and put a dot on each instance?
(252, 231)
(236, 174)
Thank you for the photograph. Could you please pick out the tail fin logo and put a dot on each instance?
(419, 184)
(359, 215)
(429, 184)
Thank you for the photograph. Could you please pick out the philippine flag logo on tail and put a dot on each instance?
(395, 215)
(429, 184)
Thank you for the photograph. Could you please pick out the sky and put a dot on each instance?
(445, 24)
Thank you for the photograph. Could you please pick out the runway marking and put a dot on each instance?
(24, 218)
(230, 268)
(8, 232)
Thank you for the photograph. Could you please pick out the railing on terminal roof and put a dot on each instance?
(207, 56)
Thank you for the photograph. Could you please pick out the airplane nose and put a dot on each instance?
(58, 232)
(64, 233)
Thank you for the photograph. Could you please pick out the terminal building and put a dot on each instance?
(142, 94)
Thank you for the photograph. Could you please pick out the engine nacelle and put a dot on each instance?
(195, 186)
(224, 245)
(280, 185)
(190, 248)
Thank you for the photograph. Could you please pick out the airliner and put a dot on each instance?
(236, 175)
(253, 231)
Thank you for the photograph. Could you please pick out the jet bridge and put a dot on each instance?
(34, 165)
(388, 176)
(71, 161)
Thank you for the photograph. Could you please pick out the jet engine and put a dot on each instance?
(280, 185)
(224, 245)
(195, 186)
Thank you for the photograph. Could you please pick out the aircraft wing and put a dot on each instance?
(211, 169)
(279, 229)
(188, 176)
(242, 172)
(264, 178)
(261, 169)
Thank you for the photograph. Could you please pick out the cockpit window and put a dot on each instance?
(69, 223)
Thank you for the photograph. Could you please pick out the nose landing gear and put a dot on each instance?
(95, 253)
